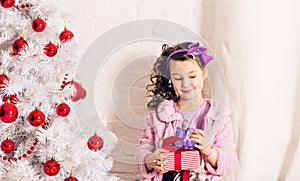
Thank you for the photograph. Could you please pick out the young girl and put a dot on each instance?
(178, 105)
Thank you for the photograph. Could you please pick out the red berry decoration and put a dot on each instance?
(4, 80)
(95, 143)
(12, 98)
(7, 146)
(66, 35)
(70, 179)
(63, 110)
(51, 167)
(19, 45)
(36, 118)
(80, 92)
(8, 112)
(50, 49)
(38, 24)
(7, 3)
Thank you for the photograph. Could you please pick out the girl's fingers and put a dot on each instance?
(199, 131)
(160, 169)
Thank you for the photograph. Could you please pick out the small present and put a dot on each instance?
(182, 160)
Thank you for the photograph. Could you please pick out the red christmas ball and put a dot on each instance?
(19, 45)
(51, 167)
(71, 179)
(95, 143)
(50, 49)
(66, 35)
(83, 94)
(79, 93)
(12, 98)
(38, 25)
(36, 118)
(8, 112)
(4, 80)
(63, 110)
(7, 3)
(7, 146)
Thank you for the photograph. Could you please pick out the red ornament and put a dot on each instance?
(95, 143)
(19, 45)
(8, 112)
(7, 146)
(63, 110)
(38, 24)
(36, 118)
(12, 98)
(83, 94)
(70, 179)
(51, 167)
(4, 80)
(65, 35)
(50, 49)
(7, 3)
(80, 92)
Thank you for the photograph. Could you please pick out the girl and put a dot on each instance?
(177, 105)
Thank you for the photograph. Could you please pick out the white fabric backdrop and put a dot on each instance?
(257, 45)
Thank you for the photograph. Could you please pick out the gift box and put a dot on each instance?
(182, 160)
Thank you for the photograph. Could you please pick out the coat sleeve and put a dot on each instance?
(146, 147)
(223, 142)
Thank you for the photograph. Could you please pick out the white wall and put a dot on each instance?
(257, 44)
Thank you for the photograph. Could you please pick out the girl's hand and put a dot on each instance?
(155, 160)
(197, 136)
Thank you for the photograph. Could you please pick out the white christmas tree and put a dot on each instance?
(39, 135)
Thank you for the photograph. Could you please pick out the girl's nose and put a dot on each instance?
(186, 82)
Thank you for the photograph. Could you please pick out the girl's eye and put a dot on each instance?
(177, 78)
(193, 76)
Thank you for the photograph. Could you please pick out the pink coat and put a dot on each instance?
(161, 124)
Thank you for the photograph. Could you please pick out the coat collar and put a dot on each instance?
(166, 111)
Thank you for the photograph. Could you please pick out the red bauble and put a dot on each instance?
(63, 110)
(38, 25)
(12, 98)
(8, 112)
(19, 45)
(7, 3)
(51, 167)
(71, 179)
(7, 146)
(95, 143)
(80, 92)
(66, 35)
(36, 118)
(4, 80)
(50, 49)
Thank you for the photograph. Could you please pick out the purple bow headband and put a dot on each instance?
(194, 49)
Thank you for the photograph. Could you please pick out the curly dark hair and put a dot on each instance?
(161, 87)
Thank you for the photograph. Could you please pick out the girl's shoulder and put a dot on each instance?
(217, 110)
(158, 101)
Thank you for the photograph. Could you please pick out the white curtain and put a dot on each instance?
(257, 47)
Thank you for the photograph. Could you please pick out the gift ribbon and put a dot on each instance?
(185, 173)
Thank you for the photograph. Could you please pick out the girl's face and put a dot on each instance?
(187, 78)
